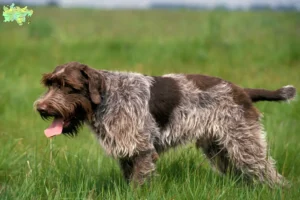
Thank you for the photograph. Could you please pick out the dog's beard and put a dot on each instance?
(73, 127)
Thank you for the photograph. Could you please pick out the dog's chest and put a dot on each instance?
(97, 128)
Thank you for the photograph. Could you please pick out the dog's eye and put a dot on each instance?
(70, 89)
(55, 85)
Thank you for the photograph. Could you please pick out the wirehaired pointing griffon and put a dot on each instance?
(136, 117)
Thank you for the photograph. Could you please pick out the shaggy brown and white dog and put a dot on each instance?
(135, 117)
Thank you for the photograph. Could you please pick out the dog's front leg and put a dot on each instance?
(140, 167)
(143, 167)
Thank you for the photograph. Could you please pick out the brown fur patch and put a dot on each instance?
(165, 97)
(242, 98)
(203, 82)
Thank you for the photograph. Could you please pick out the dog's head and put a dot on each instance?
(74, 90)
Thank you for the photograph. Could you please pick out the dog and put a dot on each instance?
(137, 117)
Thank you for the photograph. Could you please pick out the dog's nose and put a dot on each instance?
(42, 108)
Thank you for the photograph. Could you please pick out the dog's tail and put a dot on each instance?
(285, 93)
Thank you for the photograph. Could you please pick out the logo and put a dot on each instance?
(17, 14)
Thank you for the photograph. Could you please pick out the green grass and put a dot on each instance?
(252, 49)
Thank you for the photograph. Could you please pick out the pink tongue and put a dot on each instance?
(55, 128)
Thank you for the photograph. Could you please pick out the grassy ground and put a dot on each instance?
(259, 49)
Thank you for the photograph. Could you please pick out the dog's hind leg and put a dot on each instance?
(247, 151)
(215, 153)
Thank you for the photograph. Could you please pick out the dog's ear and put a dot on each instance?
(96, 83)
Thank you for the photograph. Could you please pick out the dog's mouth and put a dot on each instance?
(56, 127)
(62, 124)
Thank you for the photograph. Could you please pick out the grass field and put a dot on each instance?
(260, 49)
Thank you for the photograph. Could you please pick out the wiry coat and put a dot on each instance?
(136, 117)
(122, 122)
